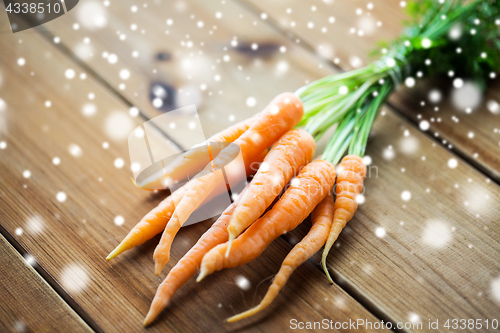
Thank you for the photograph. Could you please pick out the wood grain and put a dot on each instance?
(70, 239)
(345, 48)
(29, 304)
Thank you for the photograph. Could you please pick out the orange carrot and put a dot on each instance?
(188, 265)
(156, 220)
(230, 134)
(205, 149)
(279, 116)
(233, 132)
(204, 184)
(151, 224)
(352, 172)
(292, 151)
(322, 217)
(192, 161)
(283, 113)
(312, 185)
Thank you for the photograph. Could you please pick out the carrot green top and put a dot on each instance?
(442, 36)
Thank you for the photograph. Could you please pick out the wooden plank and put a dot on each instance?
(475, 134)
(28, 303)
(339, 44)
(70, 235)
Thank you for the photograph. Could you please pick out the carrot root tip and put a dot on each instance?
(203, 273)
(245, 314)
(229, 243)
(233, 319)
(114, 253)
(158, 268)
(323, 263)
(149, 319)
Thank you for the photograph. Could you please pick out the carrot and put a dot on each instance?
(230, 134)
(279, 116)
(205, 149)
(156, 220)
(283, 113)
(151, 224)
(193, 160)
(188, 265)
(312, 185)
(292, 151)
(182, 212)
(352, 172)
(322, 217)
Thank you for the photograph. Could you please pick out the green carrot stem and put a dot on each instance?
(424, 46)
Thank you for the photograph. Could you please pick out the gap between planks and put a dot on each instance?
(305, 45)
(52, 283)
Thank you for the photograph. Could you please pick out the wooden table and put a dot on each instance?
(65, 116)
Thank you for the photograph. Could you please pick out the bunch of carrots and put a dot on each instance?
(283, 138)
(243, 231)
